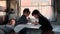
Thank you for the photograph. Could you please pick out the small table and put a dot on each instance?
(32, 29)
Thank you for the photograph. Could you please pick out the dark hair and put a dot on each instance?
(36, 12)
(26, 10)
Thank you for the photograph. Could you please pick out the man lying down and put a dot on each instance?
(6, 29)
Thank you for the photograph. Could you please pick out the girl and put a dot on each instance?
(46, 26)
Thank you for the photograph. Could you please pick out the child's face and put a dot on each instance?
(12, 22)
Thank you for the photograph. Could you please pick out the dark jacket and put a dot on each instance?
(45, 24)
(22, 20)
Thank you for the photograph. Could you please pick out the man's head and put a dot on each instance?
(26, 12)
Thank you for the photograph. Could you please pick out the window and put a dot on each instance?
(2, 5)
(44, 6)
